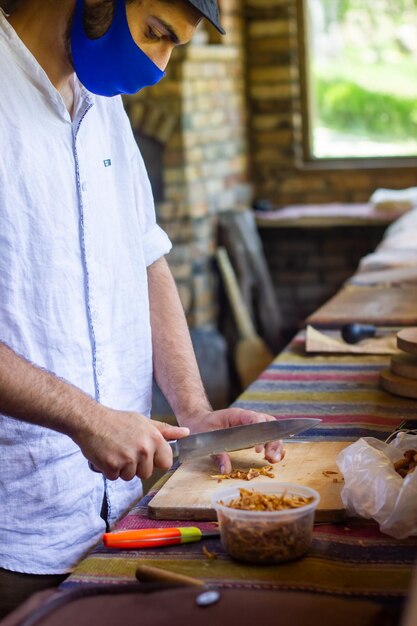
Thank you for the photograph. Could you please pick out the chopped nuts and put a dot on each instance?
(247, 474)
(211, 556)
(407, 464)
(266, 541)
(255, 501)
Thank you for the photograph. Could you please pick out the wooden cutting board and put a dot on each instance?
(382, 306)
(187, 494)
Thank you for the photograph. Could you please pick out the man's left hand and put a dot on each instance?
(225, 418)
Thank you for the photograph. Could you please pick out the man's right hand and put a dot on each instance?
(118, 443)
(124, 444)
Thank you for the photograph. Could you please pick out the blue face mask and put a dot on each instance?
(113, 64)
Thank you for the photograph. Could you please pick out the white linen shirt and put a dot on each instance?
(77, 232)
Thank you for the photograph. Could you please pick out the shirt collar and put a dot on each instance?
(37, 75)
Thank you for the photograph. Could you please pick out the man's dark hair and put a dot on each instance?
(98, 17)
(97, 20)
(9, 5)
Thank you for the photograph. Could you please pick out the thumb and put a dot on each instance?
(171, 432)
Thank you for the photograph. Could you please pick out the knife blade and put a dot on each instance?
(238, 437)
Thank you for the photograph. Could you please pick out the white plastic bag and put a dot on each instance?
(374, 490)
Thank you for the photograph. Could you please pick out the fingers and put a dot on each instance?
(171, 432)
(111, 474)
(250, 417)
(159, 456)
(163, 456)
(138, 459)
(114, 470)
(223, 462)
(128, 472)
(156, 454)
(145, 467)
(274, 451)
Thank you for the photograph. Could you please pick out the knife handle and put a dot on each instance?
(174, 448)
(151, 537)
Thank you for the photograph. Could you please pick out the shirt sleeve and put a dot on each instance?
(156, 242)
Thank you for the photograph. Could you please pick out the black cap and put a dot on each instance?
(210, 10)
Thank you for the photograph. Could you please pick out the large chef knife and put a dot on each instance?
(238, 437)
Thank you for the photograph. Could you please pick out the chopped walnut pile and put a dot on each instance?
(255, 501)
(265, 541)
(247, 474)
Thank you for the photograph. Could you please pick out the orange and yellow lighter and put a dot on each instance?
(155, 537)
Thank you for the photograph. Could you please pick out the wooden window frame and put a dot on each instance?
(308, 161)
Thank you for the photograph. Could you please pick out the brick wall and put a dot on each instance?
(308, 265)
(198, 114)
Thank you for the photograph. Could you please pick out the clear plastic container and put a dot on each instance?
(266, 537)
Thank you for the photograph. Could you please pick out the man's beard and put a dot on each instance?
(97, 21)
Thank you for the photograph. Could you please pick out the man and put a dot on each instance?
(88, 307)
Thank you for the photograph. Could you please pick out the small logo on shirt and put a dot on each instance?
(107, 162)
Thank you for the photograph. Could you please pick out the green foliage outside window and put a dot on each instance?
(347, 106)
(362, 60)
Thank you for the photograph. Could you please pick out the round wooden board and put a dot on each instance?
(398, 385)
(407, 340)
(404, 365)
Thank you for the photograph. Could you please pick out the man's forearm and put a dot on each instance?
(177, 373)
(34, 395)
(176, 369)
(121, 444)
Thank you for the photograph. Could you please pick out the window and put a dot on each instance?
(360, 68)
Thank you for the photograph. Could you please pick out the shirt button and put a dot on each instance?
(84, 187)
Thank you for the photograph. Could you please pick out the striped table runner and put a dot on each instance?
(342, 390)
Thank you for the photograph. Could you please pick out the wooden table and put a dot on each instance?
(325, 216)
(348, 559)
(381, 305)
